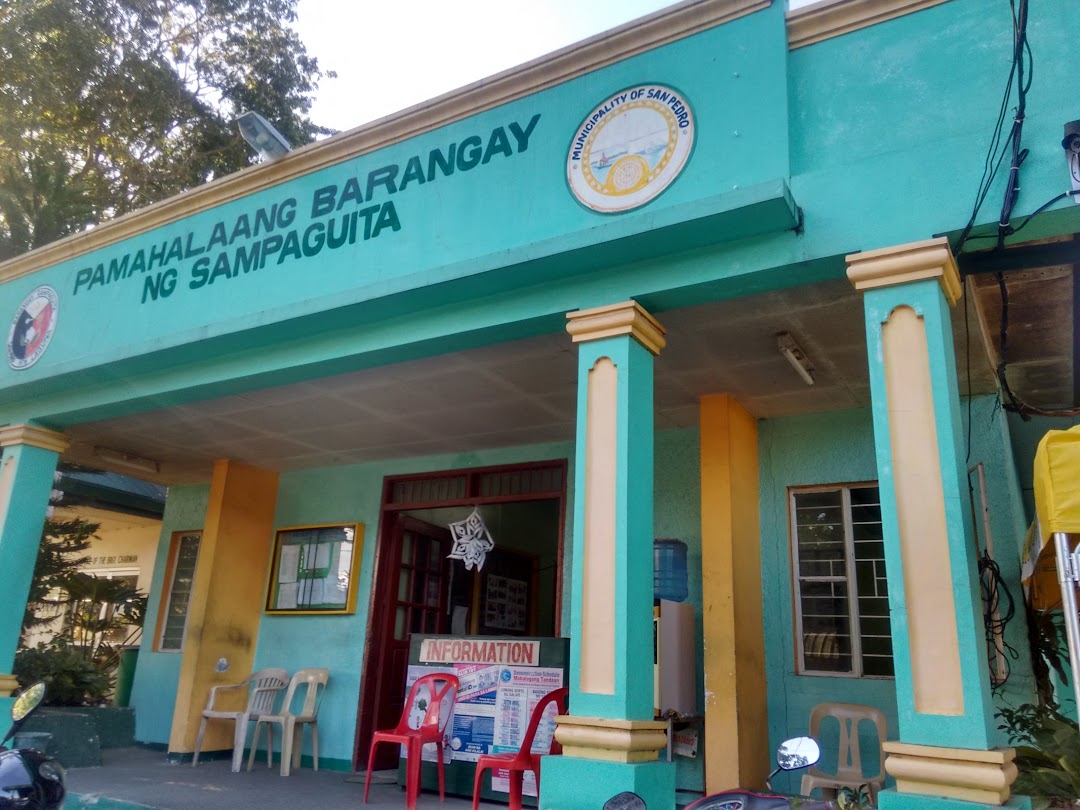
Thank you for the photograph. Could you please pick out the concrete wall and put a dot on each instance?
(153, 694)
(838, 448)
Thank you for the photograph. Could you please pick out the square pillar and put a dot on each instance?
(226, 601)
(945, 712)
(736, 698)
(28, 457)
(611, 742)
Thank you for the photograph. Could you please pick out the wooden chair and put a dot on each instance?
(264, 685)
(431, 729)
(527, 758)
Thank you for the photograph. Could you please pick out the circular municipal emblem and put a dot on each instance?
(630, 148)
(32, 328)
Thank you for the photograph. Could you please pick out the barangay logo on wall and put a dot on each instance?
(630, 148)
(32, 328)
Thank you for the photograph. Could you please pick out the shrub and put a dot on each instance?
(1047, 756)
(71, 679)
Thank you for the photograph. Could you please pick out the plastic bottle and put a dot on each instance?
(669, 569)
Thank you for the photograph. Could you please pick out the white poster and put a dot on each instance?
(492, 712)
(520, 689)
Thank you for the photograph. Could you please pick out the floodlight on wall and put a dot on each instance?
(1071, 144)
(262, 137)
(796, 356)
(121, 459)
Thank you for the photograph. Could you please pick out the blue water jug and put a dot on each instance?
(669, 570)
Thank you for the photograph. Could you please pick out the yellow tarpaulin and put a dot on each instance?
(1057, 501)
(1057, 482)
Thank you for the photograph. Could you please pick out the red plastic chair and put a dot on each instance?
(430, 730)
(526, 759)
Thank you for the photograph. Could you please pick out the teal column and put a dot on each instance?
(28, 457)
(611, 743)
(947, 732)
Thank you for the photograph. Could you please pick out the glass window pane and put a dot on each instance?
(175, 614)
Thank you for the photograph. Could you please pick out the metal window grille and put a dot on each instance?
(841, 592)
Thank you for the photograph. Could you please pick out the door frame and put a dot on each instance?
(479, 486)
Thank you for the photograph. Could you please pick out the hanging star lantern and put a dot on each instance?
(472, 541)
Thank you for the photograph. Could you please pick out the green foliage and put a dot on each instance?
(99, 616)
(71, 678)
(1047, 753)
(1046, 633)
(854, 798)
(107, 106)
(59, 556)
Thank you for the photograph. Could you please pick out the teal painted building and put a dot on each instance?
(692, 278)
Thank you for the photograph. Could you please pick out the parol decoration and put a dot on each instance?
(472, 541)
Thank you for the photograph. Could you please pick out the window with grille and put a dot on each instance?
(841, 594)
(181, 570)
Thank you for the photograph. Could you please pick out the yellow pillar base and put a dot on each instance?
(611, 740)
(958, 773)
(8, 684)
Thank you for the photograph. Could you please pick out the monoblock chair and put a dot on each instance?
(440, 689)
(264, 685)
(527, 758)
(849, 772)
(313, 680)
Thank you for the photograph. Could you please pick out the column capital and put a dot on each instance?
(915, 261)
(611, 739)
(8, 684)
(958, 773)
(34, 436)
(626, 318)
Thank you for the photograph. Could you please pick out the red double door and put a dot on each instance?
(411, 597)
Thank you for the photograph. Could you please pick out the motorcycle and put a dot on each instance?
(792, 755)
(29, 780)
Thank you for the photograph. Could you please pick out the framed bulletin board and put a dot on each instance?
(314, 569)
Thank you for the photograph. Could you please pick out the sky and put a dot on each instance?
(392, 54)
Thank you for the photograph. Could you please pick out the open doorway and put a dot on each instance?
(417, 589)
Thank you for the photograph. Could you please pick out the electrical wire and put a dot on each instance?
(997, 150)
(1012, 145)
(994, 620)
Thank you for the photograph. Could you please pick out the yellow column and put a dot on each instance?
(736, 734)
(226, 597)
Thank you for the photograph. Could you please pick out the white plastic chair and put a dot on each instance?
(264, 685)
(292, 725)
(849, 772)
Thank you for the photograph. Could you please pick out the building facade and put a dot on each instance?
(692, 278)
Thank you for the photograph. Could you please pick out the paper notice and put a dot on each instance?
(289, 563)
(286, 596)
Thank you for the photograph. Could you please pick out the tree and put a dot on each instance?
(91, 619)
(107, 106)
(60, 556)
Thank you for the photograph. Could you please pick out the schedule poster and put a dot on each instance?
(492, 712)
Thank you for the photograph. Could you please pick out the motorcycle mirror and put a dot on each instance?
(28, 700)
(798, 752)
(625, 801)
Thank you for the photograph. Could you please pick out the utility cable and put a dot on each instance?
(994, 619)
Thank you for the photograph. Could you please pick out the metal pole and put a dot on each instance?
(1067, 575)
